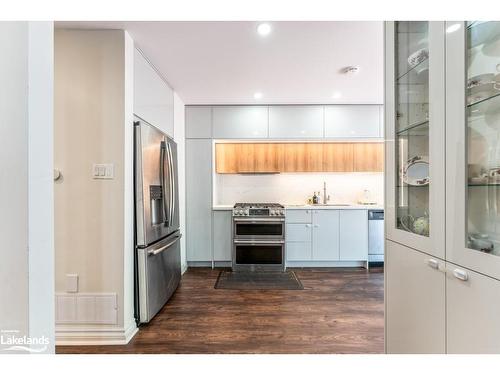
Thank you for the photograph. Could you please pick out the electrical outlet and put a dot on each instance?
(71, 283)
(103, 171)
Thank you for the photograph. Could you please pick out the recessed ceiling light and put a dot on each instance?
(336, 95)
(453, 28)
(257, 95)
(264, 29)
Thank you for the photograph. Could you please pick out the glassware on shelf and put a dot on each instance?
(412, 126)
(483, 136)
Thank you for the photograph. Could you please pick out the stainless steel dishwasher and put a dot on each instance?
(376, 235)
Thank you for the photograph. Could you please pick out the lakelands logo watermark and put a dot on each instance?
(12, 341)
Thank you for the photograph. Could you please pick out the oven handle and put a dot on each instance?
(259, 220)
(263, 242)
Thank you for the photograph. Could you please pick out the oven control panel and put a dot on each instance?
(258, 211)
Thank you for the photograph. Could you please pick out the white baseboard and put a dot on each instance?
(94, 335)
(184, 268)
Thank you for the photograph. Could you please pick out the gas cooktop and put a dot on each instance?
(258, 209)
(259, 205)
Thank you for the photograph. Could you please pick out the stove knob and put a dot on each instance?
(272, 212)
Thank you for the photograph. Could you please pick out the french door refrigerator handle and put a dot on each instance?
(171, 183)
(162, 181)
(163, 248)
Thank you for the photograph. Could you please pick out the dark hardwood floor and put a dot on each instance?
(339, 311)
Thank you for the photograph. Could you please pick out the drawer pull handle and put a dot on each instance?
(460, 274)
(308, 225)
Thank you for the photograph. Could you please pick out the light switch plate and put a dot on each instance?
(103, 171)
(71, 283)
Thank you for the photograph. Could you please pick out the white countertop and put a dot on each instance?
(335, 207)
(315, 207)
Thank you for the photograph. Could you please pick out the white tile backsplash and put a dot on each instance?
(296, 188)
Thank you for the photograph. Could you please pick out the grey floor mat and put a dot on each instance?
(258, 281)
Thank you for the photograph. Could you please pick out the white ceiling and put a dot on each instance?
(227, 62)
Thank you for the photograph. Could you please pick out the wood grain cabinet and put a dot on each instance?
(338, 157)
(298, 157)
(249, 157)
(303, 157)
(368, 157)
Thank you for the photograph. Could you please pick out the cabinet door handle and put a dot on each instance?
(460, 274)
(433, 263)
(316, 225)
(308, 225)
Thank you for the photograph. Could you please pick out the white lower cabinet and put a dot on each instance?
(298, 251)
(353, 235)
(298, 232)
(222, 222)
(473, 312)
(415, 301)
(325, 235)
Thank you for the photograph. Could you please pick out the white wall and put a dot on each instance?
(26, 215)
(179, 136)
(94, 218)
(296, 188)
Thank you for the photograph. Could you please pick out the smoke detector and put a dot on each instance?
(351, 69)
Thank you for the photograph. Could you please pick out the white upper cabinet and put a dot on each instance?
(353, 121)
(303, 121)
(235, 122)
(198, 122)
(153, 98)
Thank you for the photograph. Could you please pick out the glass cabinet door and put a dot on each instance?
(412, 126)
(474, 126)
(415, 134)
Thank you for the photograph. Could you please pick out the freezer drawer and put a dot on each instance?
(159, 272)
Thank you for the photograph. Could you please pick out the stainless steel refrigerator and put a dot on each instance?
(157, 251)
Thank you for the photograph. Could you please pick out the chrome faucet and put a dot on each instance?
(326, 198)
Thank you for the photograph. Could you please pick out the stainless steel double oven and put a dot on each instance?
(258, 237)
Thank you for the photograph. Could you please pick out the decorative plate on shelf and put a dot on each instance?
(416, 171)
(482, 87)
(417, 57)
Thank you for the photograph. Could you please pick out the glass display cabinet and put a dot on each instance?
(414, 127)
(473, 144)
